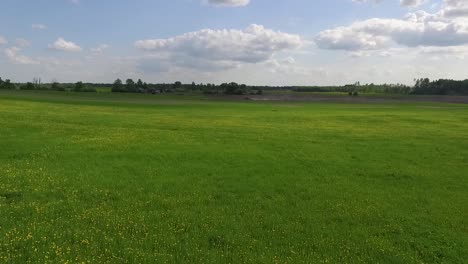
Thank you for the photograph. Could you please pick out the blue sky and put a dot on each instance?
(276, 42)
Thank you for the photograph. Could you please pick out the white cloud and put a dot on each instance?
(455, 9)
(3, 41)
(100, 48)
(417, 29)
(209, 48)
(459, 52)
(411, 3)
(38, 26)
(228, 2)
(286, 65)
(62, 45)
(22, 43)
(13, 55)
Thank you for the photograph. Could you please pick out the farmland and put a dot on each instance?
(130, 178)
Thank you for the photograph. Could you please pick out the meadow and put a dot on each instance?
(130, 178)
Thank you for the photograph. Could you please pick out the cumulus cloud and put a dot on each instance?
(455, 9)
(221, 48)
(411, 3)
(3, 41)
(100, 48)
(13, 54)
(286, 65)
(446, 27)
(228, 2)
(460, 52)
(62, 45)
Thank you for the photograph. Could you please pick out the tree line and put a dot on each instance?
(36, 84)
(423, 86)
(6, 84)
(357, 88)
(139, 86)
(440, 87)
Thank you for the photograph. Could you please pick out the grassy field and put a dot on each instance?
(145, 179)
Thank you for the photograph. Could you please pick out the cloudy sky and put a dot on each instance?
(274, 42)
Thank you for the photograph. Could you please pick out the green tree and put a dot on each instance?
(79, 86)
(55, 86)
(130, 86)
(28, 86)
(117, 86)
(7, 85)
(230, 88)
(243, 89)
(139, 84)
(177, 85)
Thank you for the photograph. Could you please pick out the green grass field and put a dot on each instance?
(145, 179)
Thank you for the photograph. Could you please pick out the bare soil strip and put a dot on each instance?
(348, 99)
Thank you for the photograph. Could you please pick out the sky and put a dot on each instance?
(257, 42)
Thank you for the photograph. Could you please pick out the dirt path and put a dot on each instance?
(347, 99)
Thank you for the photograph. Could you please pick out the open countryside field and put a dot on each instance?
(122, 178)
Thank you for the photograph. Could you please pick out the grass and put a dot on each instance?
(149, 179)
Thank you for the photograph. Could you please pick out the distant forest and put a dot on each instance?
(422, 86)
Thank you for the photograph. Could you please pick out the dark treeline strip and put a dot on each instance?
(441, 87)
(142, 87)
(54, 86)
(358, 88)
(422, 86)
(7, 84)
